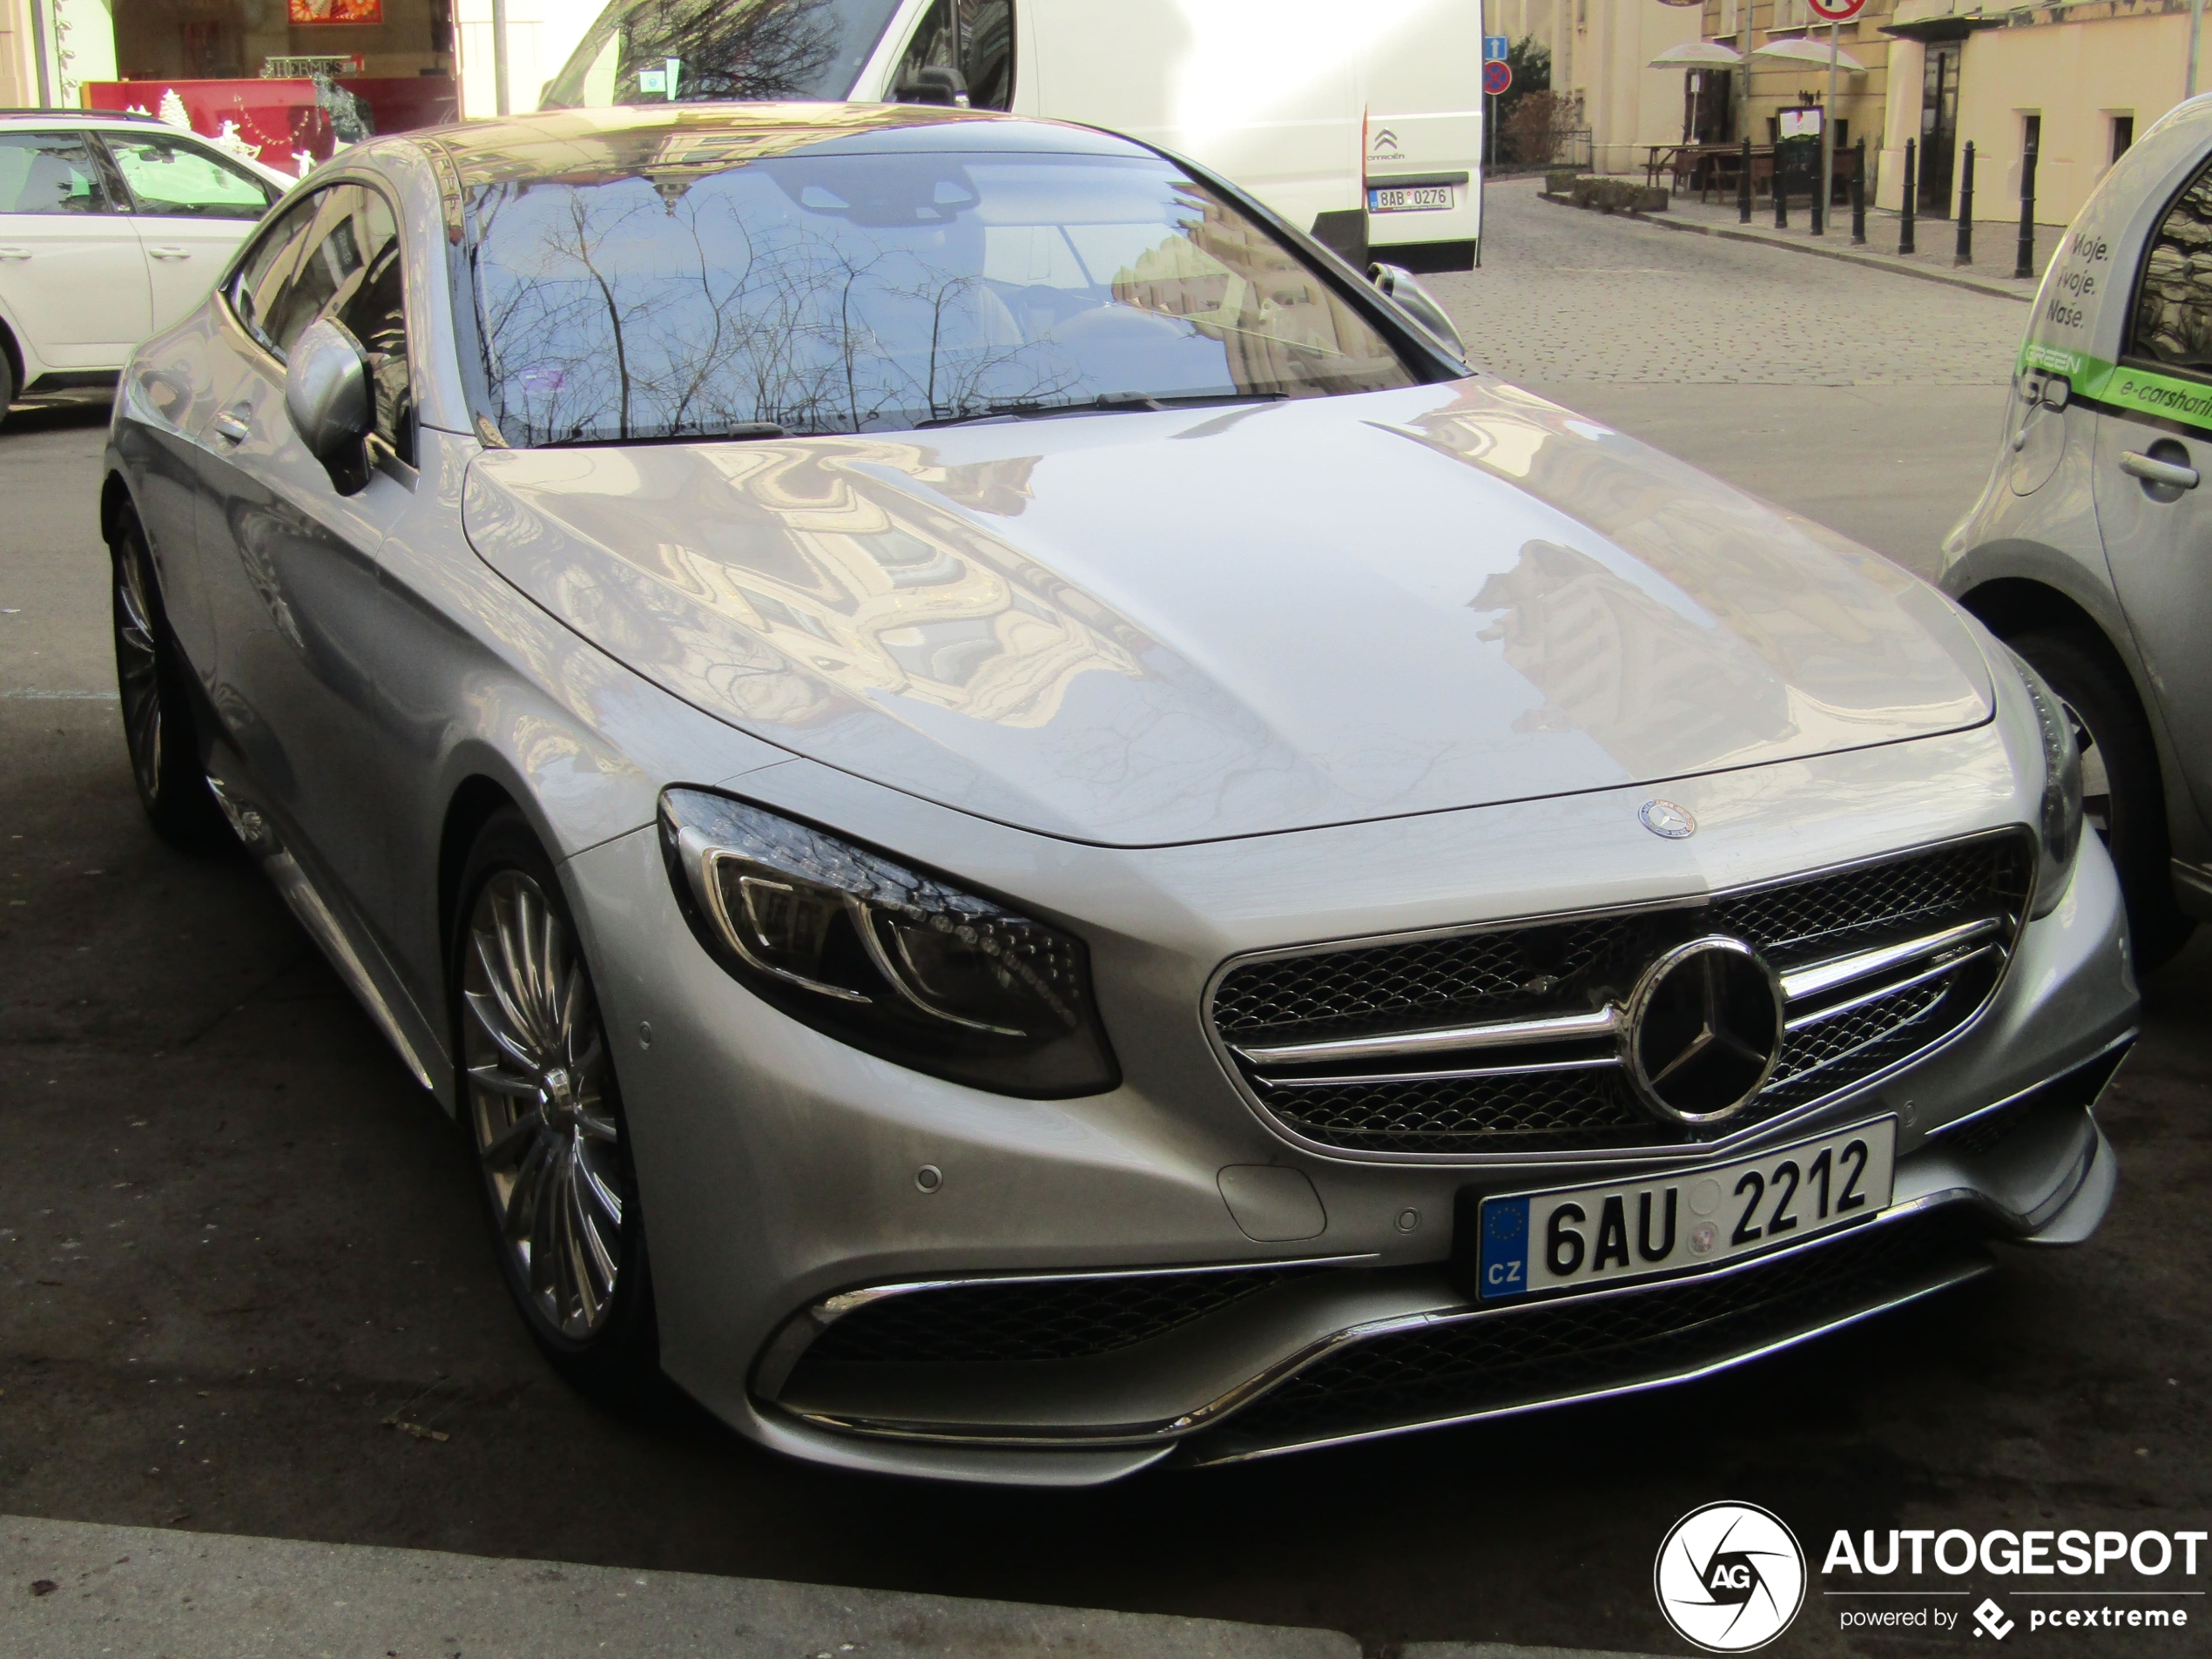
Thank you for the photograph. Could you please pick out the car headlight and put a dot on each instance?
(884, 957)
(2059, 825)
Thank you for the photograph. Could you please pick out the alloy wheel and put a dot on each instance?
(137, 667)
(547, 1131)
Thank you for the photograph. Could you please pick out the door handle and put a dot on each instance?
(2152, 470)
(170, 252)
(15, 253)
(228, 425)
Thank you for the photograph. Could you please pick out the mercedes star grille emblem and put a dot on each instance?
(1703, 1030)
(1663, 817)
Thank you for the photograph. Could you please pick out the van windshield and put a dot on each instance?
(653, 51)
(860, 292)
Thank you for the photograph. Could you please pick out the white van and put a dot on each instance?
(1361, 124)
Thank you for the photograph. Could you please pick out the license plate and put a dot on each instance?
(1581, 1237)
(1414, 199)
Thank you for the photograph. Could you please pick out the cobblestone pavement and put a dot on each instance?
(1569, 296)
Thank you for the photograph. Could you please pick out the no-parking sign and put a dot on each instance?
(1837, 10)
(1497, 76)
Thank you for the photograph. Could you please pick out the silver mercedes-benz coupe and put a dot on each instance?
(1031, 834)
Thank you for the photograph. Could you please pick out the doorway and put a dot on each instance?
(1939, 126)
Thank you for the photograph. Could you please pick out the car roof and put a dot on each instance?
(81, 118)
(581, 144)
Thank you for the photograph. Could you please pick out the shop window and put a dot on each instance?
(48, 173)
(2172, 320)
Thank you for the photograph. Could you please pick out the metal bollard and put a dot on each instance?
(1781, 188)
(1859, 194)
(1817, 198)
(1965, 253)
(2024, 261)
(1911, 190)
(1744, 187)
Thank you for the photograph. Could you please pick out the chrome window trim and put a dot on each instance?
(1780, 1122)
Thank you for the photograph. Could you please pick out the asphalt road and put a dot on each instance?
(235, 1240)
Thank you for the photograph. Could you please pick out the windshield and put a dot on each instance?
(651, 51)
(885, 292)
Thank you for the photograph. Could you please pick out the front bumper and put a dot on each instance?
(778, 1171)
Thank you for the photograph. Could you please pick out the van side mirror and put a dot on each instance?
(327, 396)
(1398, 284)
(937, 84)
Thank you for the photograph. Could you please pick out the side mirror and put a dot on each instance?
(326, 395)
(1398, 284)
(934, 86)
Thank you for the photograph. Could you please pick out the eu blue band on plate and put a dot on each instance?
(1505, 1246)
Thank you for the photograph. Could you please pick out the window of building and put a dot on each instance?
(2123, 135)
(2172, 320)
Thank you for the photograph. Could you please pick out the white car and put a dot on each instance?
(112, 228)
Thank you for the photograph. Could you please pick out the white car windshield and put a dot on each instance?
(651, 51)
(861, 293)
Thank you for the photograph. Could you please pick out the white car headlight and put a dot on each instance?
(2059, 824)
(886, 958)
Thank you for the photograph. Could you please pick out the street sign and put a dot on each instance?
(1497, 75)
(1837, 10)
(1495, 48)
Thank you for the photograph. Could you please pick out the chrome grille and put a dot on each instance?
(1351, 989)
(1496, 1040)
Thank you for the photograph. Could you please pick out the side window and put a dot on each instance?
(48, 173)
(176, 180)
(975, 38)
(259, 282)
(987, 52)
(2173, 323)
(351, 272)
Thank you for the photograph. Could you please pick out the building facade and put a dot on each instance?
(2080, 79)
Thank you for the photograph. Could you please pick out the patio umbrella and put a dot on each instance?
(1695, 55)
(1811, 51)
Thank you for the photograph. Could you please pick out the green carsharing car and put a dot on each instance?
(2090, 550)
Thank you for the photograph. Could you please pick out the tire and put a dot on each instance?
(2123, 797)
(7, 383)
(160, 728)
(544, 1121)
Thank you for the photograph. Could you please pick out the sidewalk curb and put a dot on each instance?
(152, 1593)
(1843, 255)
(162, 1593)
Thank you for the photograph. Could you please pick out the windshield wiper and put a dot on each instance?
(739, 432)
(1104, 403)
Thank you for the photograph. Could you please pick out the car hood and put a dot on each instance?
(1139, 629)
